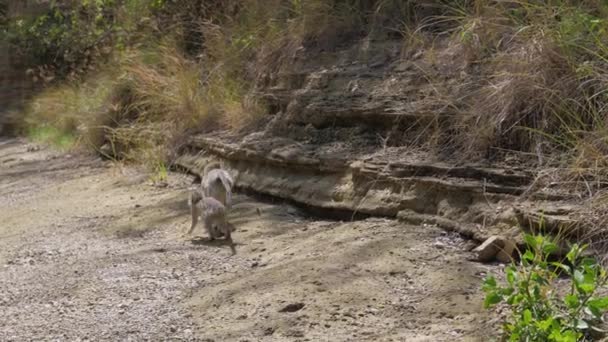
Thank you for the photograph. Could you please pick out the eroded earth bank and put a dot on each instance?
(90, 250)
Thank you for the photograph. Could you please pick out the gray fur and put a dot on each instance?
(218, 183)
(213, 213)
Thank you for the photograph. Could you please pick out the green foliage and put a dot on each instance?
(69, 36)
(539, 310)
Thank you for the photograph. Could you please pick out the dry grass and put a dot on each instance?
(69, 112)
(532, 77)
(162, 100)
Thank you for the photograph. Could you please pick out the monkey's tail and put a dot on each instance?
(211, 166)
(228, 186)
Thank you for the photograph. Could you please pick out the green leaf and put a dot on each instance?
(572, 301)
(530, 241)
(599, 303)
(540, 240)
(570, 336)
(511, 275)
(527, 316)
(566, 268)
(585, 282)
(597, 306)
(549, 248)
(515, 299)
(528, 255)
(492, 299)
(507, 291)
(490, 282)
(573, 253)
(587, 288)
(588, 262)
(544, 325)
(556, 334)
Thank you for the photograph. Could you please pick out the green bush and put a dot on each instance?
(69, 36)
(540, 309)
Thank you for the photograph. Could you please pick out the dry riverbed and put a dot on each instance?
(90, 250)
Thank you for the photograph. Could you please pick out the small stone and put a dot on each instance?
(439, 245)
(293, 307)
(295, 333)
(487, 251)
(268, 331)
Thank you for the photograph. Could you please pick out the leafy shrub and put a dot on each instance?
(68, 36)
(540, 309)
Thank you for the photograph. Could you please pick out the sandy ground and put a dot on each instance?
(93, 251)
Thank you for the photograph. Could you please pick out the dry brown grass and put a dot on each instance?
(532, 78)
(70, 113)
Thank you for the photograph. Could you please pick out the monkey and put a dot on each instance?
(213, 213)
(217, 183)
(215, 197)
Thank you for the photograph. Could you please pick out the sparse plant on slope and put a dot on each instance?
(541, 310)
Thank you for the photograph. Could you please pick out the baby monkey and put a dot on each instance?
(213, 213)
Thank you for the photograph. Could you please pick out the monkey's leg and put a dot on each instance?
(210, 229)
(195, 211)
(228, 236)
(227, 232)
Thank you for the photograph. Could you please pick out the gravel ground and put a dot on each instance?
(91, 250)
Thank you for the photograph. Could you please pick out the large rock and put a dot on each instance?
(505, 254)
(488, 250)
(495, 248)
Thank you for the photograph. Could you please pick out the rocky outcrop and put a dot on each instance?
(478, 202)
(372, 129)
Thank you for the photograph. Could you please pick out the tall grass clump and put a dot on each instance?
(535, 77)
(159, 100)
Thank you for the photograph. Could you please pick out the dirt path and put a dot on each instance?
(92, 251)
